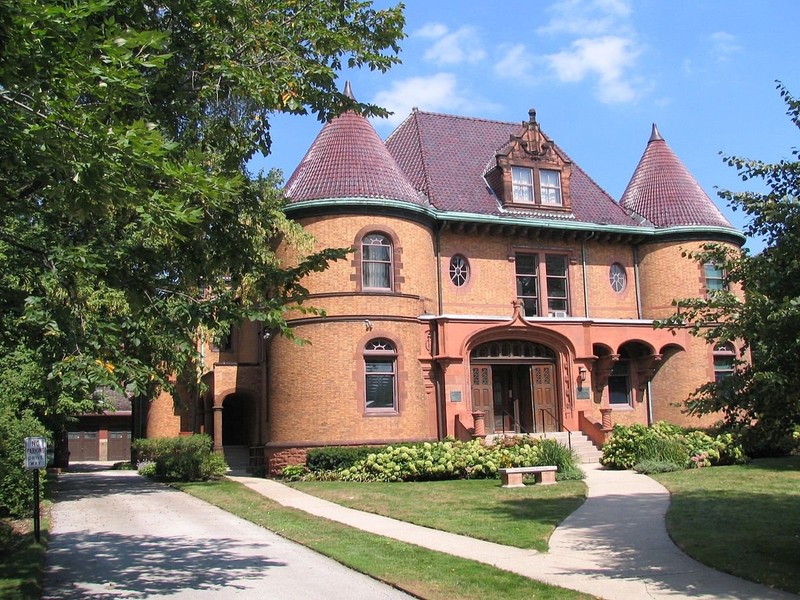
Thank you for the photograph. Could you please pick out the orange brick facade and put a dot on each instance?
(425, 355)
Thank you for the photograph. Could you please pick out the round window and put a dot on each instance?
(617, 277)
(459, 270)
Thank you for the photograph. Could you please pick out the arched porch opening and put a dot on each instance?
(515, 384)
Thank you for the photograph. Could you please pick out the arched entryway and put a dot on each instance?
(514, 383)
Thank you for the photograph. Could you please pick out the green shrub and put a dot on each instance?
(16, 483)
(293, 472)
(664, 442)
(552, 452)
(663, 449)
(185, 458)
(452, 459)
(656, 466)
(332, 458)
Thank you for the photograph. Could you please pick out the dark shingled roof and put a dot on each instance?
(445, 157)
(348, 160)
(664, 192)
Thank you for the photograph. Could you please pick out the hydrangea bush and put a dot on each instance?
(669, 444)
(453, 459)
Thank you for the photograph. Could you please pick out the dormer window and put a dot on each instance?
(522, 184)
(536, 186)
(550, 186)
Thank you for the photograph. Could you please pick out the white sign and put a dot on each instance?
(35, 453)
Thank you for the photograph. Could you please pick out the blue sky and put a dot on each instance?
(598, 73)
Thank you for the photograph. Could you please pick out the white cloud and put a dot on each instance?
(605, 58)
(435, 93)
(724, 45)
(515, 63)
(587, 17)
(451, 47)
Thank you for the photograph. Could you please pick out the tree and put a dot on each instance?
(762, 397)
(129, 222)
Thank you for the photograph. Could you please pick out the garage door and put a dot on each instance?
(119, 445)
(84, 445)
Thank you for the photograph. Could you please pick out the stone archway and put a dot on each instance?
(514, 383)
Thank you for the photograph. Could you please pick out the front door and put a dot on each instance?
(481, 392)
(544, 395)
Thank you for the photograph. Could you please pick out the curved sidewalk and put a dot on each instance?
(615, 546)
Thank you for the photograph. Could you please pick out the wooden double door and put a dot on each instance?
(516, 398)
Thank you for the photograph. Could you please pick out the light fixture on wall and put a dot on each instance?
(368, 324)
(582, 373)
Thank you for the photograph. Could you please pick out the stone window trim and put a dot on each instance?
(397, 280)
(618, 277)
(544, 298)
(400, 375)
(536, 167)
(723, 357)
(712, 278)
(459, 270)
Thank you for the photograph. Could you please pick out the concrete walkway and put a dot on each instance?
(614, 546)
(116, 535)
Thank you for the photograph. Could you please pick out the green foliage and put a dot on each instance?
(452, 459)
(761, 400)
(664, 442)
(130, 225)
(16, 483)
(186, 458)
(649, 466)
(333, 458)
(293, 472)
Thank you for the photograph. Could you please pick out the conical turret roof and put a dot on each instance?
(349, 160)
(664, 192)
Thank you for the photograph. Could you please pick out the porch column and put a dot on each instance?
(479, 421)
(218, 429)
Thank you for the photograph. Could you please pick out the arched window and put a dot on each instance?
(380, 376)
(376, 262)
(724, 360)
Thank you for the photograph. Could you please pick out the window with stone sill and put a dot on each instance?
(543, 284)
(715, 277)
(380, 376)
(376, 262)
(724, 356)
(536, 186)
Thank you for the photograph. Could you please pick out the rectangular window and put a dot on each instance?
(380, 384)
(715, 277)
(724, 361)
(618, 384)
(543, 277)
(556, 267)
(522, 184)
(527, 266)
(550, 187)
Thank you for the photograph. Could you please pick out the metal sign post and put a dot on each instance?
(35, 459)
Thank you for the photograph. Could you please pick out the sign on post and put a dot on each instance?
(35, 453)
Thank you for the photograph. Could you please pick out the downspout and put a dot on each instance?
(585, 275)
(636, 282)
(437, 371)
(639, 315)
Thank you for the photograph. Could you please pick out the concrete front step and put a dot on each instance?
(583, 446)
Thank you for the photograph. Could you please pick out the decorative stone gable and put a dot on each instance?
(530, 172)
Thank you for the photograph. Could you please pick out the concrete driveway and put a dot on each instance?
(118, 535)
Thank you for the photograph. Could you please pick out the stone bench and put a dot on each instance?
(512, 477)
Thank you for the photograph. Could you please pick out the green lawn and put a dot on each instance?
(742, 519)
(521, 517)
(21, 559)
(424, 573)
